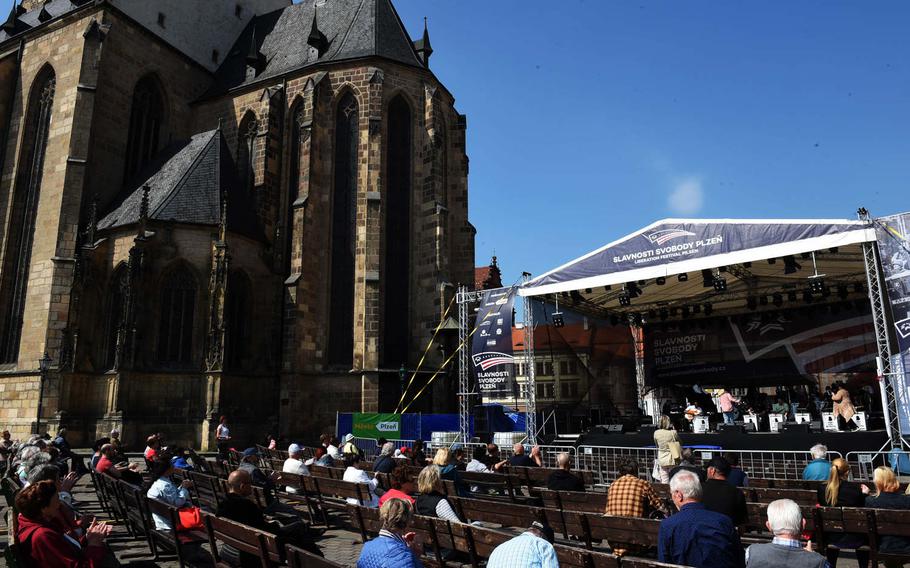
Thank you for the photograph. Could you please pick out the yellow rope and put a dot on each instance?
(424, 356)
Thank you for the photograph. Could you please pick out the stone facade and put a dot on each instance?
(96, 294)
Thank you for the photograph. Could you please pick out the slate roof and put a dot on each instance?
(354, 29)
(32, 18)
(185, 186)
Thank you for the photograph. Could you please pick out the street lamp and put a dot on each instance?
(44, 364)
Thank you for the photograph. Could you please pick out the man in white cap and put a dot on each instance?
(348, 446)
(294, 464)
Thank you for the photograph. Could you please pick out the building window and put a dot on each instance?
(397, 241)
(544, 368)
(115, 318)
(545, 390)
(568, 389)
(568, 367)
(25, 211)
(161, 19)
(178, 304)
(146, 123)
(239, 316)
(344, 225)
(246, 150)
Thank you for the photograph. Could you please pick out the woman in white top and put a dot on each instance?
(222, 437)
(357, 475)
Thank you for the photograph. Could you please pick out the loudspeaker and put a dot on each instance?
(750, 427)
(815, 426)
(615, 428)
(727, 428)
(793, 428)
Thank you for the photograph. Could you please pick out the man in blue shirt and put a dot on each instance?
(696, 536)
(819, 468)
(531, 549)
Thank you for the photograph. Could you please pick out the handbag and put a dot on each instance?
(675, 450)
(189, 518)
(655, 471)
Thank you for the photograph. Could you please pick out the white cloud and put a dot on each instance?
(687, 196)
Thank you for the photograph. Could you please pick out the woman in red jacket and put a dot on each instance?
(41, 536)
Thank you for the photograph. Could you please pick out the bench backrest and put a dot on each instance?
(629, 530)
(498, 512)
(574, 501)
(299, 558)
(890, 522)
(261, 544)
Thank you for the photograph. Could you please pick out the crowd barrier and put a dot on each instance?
(863, 464)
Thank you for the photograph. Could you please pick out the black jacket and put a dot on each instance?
(721, 497)
(562, 480)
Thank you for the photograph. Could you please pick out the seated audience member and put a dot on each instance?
(418, 457)
(562, 479)
(129, 473)
(96, 456)
(395, 546)
(249, 463)
(402, 454)
(448, 470)
(294, 465)
(349, 447)
(385, 463)
(42, 538)
(34, 460)
(737, 477)
(479, 461)
(164, 489)
(840, 492)
(179, 459)
(152, 448)
(887, 496)
(118, 445)
(238, 507)
(402, 486)
(64, 487)
(320, 457)
(66, 452)
(532, 548)
(460, 463)
(630, 496)
(786, 523)
(519, 459)
(431, 502)
(330, 443)
(721, 497)
(353, 473)
(819, 468)
(696, 536)
(687, 463)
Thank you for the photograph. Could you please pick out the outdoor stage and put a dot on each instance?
(842, 442)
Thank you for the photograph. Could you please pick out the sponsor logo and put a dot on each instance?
(903, 327)
(661, 237)
(486, 322)
(502, 301)
(387, 426)
(489, 359)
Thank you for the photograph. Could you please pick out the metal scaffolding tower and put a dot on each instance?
(464, 298)
(530, 382)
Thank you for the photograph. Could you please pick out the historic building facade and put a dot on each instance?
(247, 208)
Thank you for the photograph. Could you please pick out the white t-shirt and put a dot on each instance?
(222, 431)
(333, 451)
(292, 465)
(477, 466)
(360, 476)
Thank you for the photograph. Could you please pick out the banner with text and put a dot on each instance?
(491, 346)
(894, 249)
(374, 425)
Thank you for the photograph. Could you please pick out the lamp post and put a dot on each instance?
(43, 365)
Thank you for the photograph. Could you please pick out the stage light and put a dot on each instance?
(664, 314)
(708, 309)
(696, 309)
(661, 281)
(624, 299)
(790, 265)
(842, 291)
(777, 300)
(791, 296)
(722, 269)
(816, 285)
(557, 319)
(751, 303)
(685, 312)
(720, 284)
(707, 278)
(763, 300)
(772, 261)
(633, 290)
(576, 296)
(565, 295)
(858, 288)
(683, 277)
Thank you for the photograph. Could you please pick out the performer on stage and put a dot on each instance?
(691, 412)
(843, 407)
(727, 400)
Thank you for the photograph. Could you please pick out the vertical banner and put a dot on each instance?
(491, 346)
(894, 247)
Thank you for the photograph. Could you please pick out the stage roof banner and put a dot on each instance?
(675, 246)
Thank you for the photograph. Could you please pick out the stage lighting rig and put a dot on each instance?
(682, 277)
(660, 281)
(633, 290)
(816, 281)
(558, 321)
(858, 288)
(696, 309)
(772, 261)
(842, 291)
(685, 312)
(720, 284)
(790, 265)
(664, 314)
(625, 300)
(763, 300)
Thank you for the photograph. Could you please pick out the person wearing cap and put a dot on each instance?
(531, 549)
(294, 465)
(721, 497)
(348, 446)
(164, 489)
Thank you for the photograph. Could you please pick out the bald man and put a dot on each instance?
(519, 459)
(562, 479)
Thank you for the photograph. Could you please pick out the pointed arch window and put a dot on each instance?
(147, 121)
(239, 315)
(25, 211)
(397, 238)
(115, 317)
(246, 151)
(178, 306)
(344, 212)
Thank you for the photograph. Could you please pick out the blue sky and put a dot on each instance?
(588, 119)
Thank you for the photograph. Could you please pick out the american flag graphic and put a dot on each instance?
(489, 359)
(660, 237)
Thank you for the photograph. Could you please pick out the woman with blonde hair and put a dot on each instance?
(431, 502)
(838, 491)
(669, 450)
(888, 496)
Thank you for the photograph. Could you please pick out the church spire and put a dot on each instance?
(317, 40)
(423, 47)
(253, 56)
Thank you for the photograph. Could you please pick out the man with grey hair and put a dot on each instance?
(562, 479)
(786, 523)
(819, 468)
(696, 536)
(385, 463)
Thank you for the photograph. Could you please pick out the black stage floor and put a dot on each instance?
(842, 442)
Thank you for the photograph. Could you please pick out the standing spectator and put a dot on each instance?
(630, 496)
(294, 465)
(786, 523)
(519, 459)
(531, 549)
(696, 536)
(402, 486)
(164, 489)
(395, 547)
(721, 497)
(431, 502)
(562, 479)
(669, 450)
(839, 492)
(737, 477)
(223, 438)
(819, 468)
(727, 400)
(353, 473)
(385, 463)
(41, 536)
(888, 496)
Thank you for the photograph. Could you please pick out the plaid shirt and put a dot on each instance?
(630, 496)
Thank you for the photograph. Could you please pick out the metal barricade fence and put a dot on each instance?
(863, 464)
(468, 448)
(604, 461)
(370, 447)
(765, 464)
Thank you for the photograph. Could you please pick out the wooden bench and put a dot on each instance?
(498, 512)
(262, 545)
(300, 558)
(834, 521)
(207, 490)
(172, 539)
(574, 501)
(888, 523)
(801, 497)
(136, 520)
